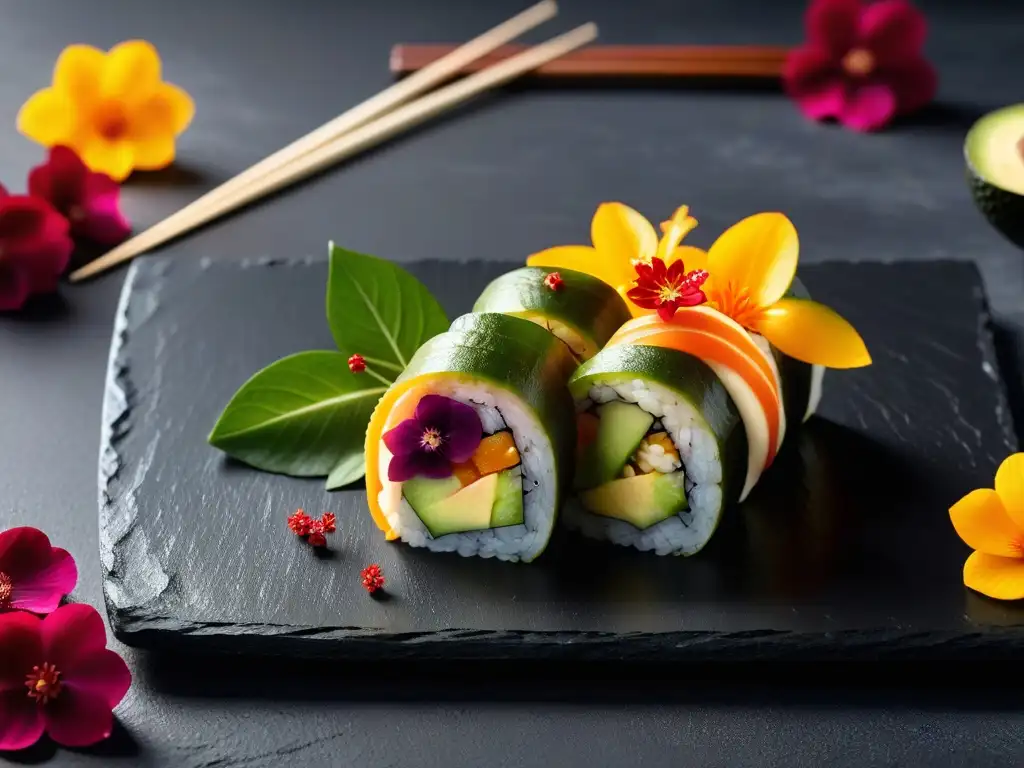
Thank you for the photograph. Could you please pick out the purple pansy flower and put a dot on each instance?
(442, 432)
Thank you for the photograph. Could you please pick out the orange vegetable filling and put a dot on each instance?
(466, 472)
(495, 453)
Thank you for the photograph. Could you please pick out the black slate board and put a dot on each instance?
(844, 550)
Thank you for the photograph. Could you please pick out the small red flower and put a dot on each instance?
(862, 64)
(57, 676)
(356, 364)
(88, 200)
(666, 289)
(34, 248)
(33, 575)
(328, 522)
(554, 281)
(373, 578)
(299, 523)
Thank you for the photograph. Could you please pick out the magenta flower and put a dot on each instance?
(57, 677)
(862, 64)
(34, 248)
(442, 432)
(33, 575)
(88, 200)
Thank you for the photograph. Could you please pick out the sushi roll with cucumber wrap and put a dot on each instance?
(677, 420)
(579, 309)
(471, 449)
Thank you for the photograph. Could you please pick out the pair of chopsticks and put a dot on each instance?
(373, 121)
(611, 61)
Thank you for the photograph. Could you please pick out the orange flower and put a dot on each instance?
(751, 267)
(991, 522)
(112, 108)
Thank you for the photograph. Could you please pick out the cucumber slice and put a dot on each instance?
(508, 503)
(621, 428)
(584, 313)
(422, 492)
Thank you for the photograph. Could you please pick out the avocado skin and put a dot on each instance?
(1004, 210)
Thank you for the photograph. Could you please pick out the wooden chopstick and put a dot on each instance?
(443, 68)
(619, 61)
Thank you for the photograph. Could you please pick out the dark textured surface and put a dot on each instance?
(522, 169)
(844, 551)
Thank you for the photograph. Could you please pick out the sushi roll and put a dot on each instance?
(676, 420)
(579, 309)
(471, 449)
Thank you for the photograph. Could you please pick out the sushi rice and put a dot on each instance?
(689, 530)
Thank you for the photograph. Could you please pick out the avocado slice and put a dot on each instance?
(508, 504)
(641, 501)
(466, 510)
(994, 153)
(620, 429)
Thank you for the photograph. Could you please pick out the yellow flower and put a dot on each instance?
(111, 108)
(991, 522)
(622, 238)
(750, 267)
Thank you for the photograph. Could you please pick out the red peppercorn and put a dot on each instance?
(299, 523)
(373, 578)
(554, 281)
(356, 364)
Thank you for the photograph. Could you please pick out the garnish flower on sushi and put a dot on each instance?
(441, 433)
(749, 272)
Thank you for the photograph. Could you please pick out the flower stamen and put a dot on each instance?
(431, 439)
(859, 62)
(43, 683)
(6, 590)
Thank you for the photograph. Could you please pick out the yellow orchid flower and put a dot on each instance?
(750, 268)
(991, 522)
(622, 239)
(112, 108)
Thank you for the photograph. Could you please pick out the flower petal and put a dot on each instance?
(78, 72)
(21, 641)
(72, 634)
(78, 718)
(674, 230)
(131, 72)
(981, 521)
(620, 235)
(426, 463)
(21, 720)
(813, 333)
(692, 258)
(103, 221)
(1010, 487)
(893, 30)
(22, 550)
(42, 589)
(581, 258)
(913, 83)
(869, 108)
(832, 24)
(810, 70)
(829, 102)
(113, 158)
(999, 577)
(404, 438)
(14, 287)
(48, 117)
(102, 674)
(167, 112)
(758, 254)
(59, 180)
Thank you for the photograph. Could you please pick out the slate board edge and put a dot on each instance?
(143, 630)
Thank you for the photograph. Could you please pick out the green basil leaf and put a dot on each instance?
(378, 310)
(348, 470)
(303, 415)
